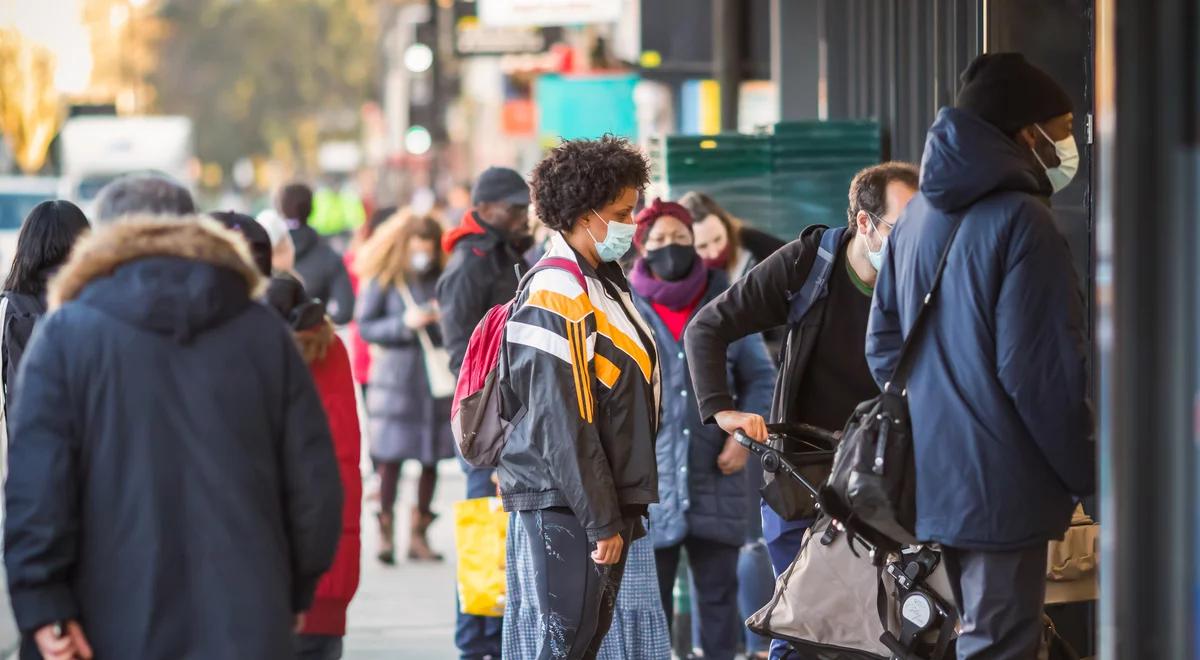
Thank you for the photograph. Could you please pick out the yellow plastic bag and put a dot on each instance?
(480, 532)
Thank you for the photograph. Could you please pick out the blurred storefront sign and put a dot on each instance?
(518, 118)
(475, 38)
(541, 13)
(608, 99)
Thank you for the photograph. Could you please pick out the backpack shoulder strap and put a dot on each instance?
(560, 263)
(816, 285)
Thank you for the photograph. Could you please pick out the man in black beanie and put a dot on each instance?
(485, 265)
(1001, 424)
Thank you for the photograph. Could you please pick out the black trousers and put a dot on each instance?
(714, 572)
(576, 596)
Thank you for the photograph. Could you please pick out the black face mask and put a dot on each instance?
(671, 262)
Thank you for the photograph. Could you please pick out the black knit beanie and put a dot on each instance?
(1009, 93)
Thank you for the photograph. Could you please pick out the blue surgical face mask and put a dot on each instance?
(876, 258)
(617, 242)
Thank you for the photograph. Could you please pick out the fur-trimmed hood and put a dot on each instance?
(176, 276)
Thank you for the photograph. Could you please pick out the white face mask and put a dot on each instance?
(876, 258)
(420, 262)
(1068, 161)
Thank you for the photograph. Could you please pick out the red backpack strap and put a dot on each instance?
(561, 263)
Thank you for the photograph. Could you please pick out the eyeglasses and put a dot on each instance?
(889, 225)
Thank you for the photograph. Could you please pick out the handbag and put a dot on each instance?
(1071, 574)
(442, 381)
(872, 488)
(480, 534)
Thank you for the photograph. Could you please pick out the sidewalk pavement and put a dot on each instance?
(406, 611)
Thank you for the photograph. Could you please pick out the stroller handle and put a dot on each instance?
(773, 461)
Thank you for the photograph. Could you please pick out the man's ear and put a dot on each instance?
(863, 222)
(1027, 137)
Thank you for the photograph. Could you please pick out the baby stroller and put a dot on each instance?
(852, 593)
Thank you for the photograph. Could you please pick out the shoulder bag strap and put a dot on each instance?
(904, 364)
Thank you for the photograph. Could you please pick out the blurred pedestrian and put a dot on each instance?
(320, 268)
(47, 236)
(257, 239)
(1001, 425)
(152, 194)
(701, 479)
(283, 251)
(175, 477)
(360, 352)
(399, 267)
(329, 364)
(724, 241)
(578, 472)
(485, 262)
(824, 375)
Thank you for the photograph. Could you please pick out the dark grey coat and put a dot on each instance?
(695, 498)
(405, 421)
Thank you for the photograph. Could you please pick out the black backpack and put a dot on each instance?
(872, 489)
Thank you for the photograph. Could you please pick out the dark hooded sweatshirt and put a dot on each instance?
(172, 480)
(998, 391)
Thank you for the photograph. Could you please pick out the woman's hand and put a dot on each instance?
(56, 642)
(416, 317)
(732, 457)
(608, 551)
(732, 421)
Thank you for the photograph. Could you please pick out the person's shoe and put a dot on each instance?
(387, 542)
(418, 543)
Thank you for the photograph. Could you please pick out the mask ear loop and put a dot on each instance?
(1034, 149)
(589, 231)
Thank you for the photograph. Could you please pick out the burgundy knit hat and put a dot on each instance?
(656, 210)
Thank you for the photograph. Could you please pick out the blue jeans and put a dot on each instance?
(783, 550)
(756, 585)
(477, 637)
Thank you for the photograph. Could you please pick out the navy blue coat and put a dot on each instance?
(998, 392)
(172, 479)
(694, 497)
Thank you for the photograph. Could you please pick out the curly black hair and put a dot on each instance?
(579, 175)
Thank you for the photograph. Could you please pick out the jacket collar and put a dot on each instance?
(194, 238)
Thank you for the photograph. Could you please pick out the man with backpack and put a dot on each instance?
(997, 388)
(484, 268)
(820, 287)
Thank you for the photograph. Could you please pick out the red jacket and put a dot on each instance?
(331, 373)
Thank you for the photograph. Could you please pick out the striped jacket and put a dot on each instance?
(582, 392)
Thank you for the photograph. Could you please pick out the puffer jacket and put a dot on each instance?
(582, 390)
(1002, 430)
(695, 497)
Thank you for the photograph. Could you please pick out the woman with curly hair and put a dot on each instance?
(582, 381)
(399, 266)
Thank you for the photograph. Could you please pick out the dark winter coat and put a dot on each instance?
(694, 497)
(481, 273)
(582, 391)
(998, 391)
(406, 422)
(174, 486)
(324, 274)
(20, 317)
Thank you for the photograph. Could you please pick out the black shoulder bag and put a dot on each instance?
(872, 489)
